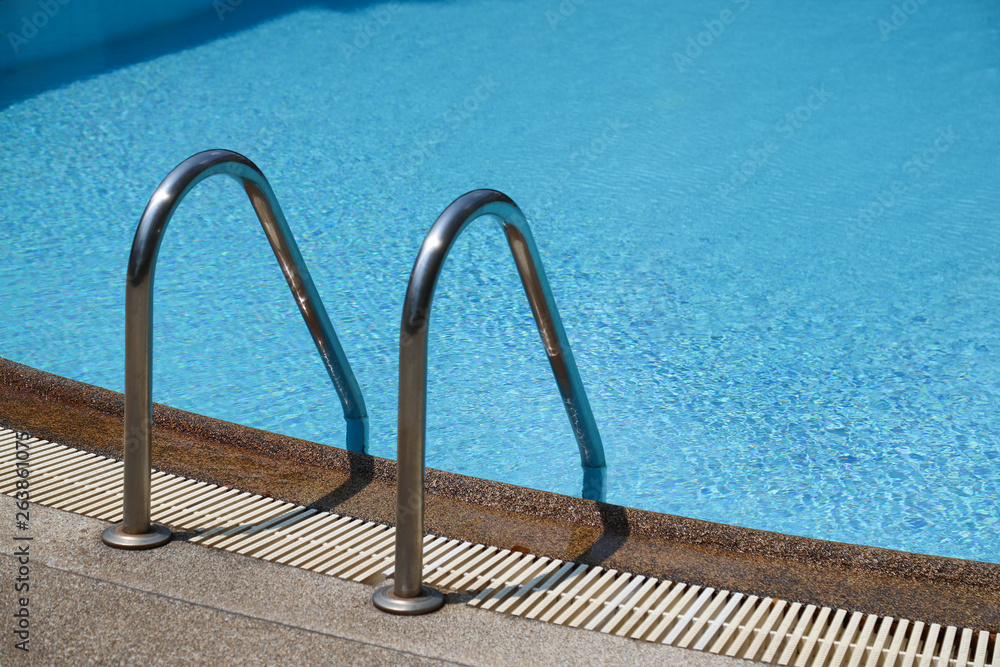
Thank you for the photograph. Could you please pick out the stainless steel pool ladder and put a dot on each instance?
(136, 531)
(407, 594)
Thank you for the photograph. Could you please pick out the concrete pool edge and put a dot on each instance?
(868, 579)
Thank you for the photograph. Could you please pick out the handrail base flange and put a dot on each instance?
(429, 600)
(156, 536)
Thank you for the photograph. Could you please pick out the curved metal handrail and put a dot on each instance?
(135, 531)
(408, 595)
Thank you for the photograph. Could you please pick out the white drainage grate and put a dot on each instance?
(221, 517)
(511, 582)
(732, 624)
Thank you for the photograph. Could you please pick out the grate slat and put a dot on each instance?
(764, 631)
(587, 599)
(524, 605)
(810, 641)
(654, 616)
(880, 639)
(613, 605)
(734, 625)
(981, 647)
(717, 600)
(927, 653)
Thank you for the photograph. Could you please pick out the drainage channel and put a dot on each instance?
(592, 598)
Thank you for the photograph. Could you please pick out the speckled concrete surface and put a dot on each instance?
(187, 604)
(90, 621)
(870, 580)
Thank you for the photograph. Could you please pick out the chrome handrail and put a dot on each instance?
(408, 595)
(136, 531)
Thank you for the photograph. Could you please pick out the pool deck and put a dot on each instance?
(189, 601)
(185, 603)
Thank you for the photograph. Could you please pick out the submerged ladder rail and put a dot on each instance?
(408, 595)
(136, 530)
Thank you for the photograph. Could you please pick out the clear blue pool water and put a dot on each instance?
(776, 252)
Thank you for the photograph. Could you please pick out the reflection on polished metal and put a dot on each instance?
(116, 536)
(427, 601)
(135, 531)
(408, 585)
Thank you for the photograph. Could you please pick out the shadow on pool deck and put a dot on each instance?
(187, 604)
(361, 472)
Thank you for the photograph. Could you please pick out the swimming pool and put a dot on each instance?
(771, 233)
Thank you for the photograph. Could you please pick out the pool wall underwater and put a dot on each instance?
(34, 31)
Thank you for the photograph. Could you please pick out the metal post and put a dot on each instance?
(135, 531)
(408, 595)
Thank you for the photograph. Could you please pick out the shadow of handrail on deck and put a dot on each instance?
(361, 473)
(616, 532)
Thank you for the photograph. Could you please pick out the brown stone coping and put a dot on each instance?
(857, 578)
